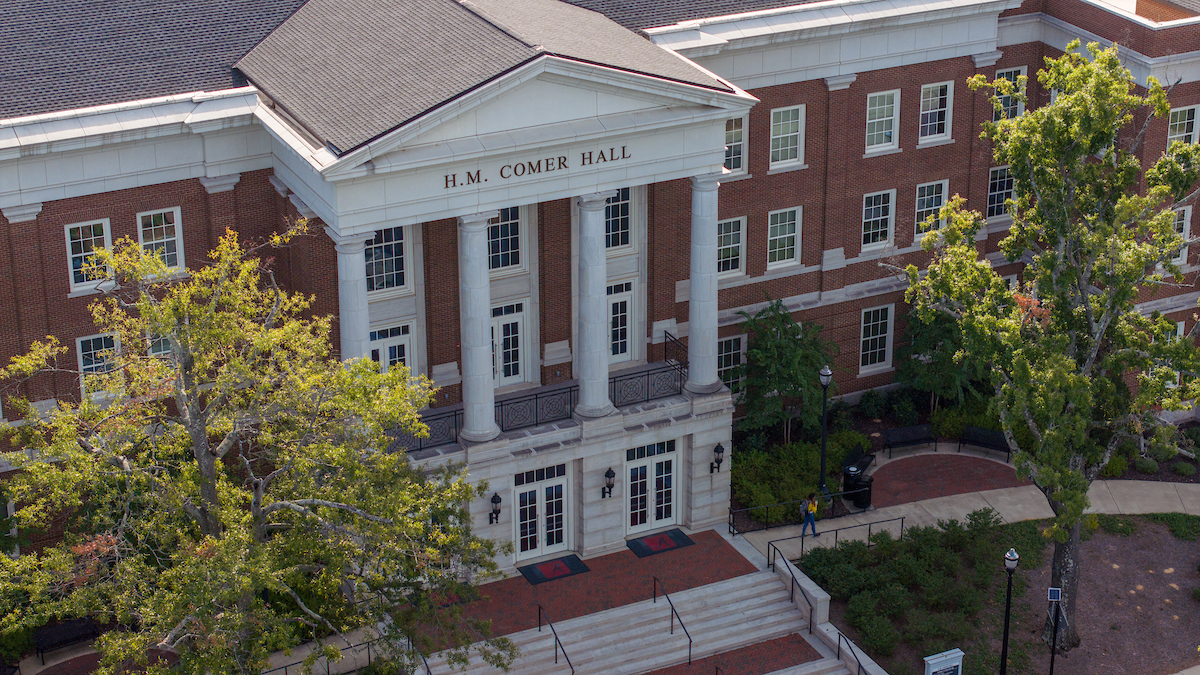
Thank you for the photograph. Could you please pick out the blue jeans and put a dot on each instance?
(809, 519)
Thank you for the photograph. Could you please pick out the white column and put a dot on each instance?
(353, 316)
(475, 307)
(702, 305)
(594, 340)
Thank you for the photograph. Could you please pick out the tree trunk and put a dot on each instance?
(1065, 575)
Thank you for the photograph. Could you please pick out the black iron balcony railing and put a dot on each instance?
(550, 404)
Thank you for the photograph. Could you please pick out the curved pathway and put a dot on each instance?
(913, 478)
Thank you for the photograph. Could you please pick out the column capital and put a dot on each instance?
(477, 221)
(22, 213)
(594, 201)
(214, 184)
(706, 182)
(987, 59)
(840, 82)
(348, 244)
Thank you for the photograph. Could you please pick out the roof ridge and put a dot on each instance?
(499, 25)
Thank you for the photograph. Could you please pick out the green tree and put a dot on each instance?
(779, 380)
(1075, 368)
(227, 485)
(927, 360)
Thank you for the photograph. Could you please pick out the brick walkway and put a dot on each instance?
(612, 581)
(912, 479)
(759, 659)
(80, 665)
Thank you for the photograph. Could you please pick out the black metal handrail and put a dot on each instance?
(284, 668)
(717, 670)
(773, 548)
(675, 352)
(792, 587)
(733, 513)
(557, 643)
(850, 646)
(674, 615)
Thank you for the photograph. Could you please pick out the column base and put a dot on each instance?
(479, 435)
(595, 411)
(710, 388)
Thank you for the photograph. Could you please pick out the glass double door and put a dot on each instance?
(651, 493)
(542, 518)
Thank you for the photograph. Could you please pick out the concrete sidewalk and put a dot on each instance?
(1124, 497)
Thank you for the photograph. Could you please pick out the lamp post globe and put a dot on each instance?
(826, 376)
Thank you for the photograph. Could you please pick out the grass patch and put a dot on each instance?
(928, 590)
(1182, 525)
(1118, 525)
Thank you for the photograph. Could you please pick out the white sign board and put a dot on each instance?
(946, 663)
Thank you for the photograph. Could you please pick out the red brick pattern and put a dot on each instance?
(912, 479)
(612, 581)
(757, 659)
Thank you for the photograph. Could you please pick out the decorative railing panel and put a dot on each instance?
(646, 385)
(535, 409)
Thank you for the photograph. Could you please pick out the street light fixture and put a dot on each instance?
(1011, 559)
(719, 456)
(826, 377)
(610, 477)
(494, 516)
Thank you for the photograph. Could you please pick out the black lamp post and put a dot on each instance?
(610, 478)
(826, 377)
(494, 516)
(719, 456)
(1010, 564)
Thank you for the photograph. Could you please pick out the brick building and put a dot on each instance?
(524, 205)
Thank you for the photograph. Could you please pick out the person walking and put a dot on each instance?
(810, 515)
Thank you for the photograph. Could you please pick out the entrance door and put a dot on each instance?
(651, 471)
(508, 334)
(542, 517)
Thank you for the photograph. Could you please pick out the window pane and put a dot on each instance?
(85, 240)
(781, 237)
(1009, 105)
(729, 245)
(616, 219)
(930, 199)
(160, 236)
(874, 337)
(935, 105)
(385, 259)
(785, 135)
(877, 217)
(1182, 126)
(1000, 188)
(881, 118)
(733, 144)
(504, 239)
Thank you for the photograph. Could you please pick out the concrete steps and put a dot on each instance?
(829, 666)
(636, 638)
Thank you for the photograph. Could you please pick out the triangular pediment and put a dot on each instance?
(548, 101)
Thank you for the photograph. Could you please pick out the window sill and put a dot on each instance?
(875, 370)
(84, 291)
(782, 265)
(933, 143)
(735, 177)
(730, 276)
(389, 293)
(882, 151)
(879, 246)
(786, 168)
(506, 272)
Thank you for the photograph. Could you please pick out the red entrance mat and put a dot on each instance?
(661, 542)
(553, 569)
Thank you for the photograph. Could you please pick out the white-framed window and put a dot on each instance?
(1179, 333)
(158, 346)
(729, 246)
(506, 233)
(783, 236)
(931, 197)
(618, 219)
(161, 232)
(1183, 225)
(787, 136)
(97, 355)
(392, 346)
(510, 351)
(83, 241)
(651, 473)
(622, 320)
(1181, 126)
(1011, 106)
(1000, 190)
(875, 347)
(883, 120)
(735, 145)
(937, 111)
(1011, 281)
(385, 260)
(877, 218)
(730, 354)
(542, 497)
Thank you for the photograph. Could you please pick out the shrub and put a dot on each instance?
(860, 611)
(380, 667)
(872, 404)
(1183, 469)
(840, 416)
(1194, 434)
(15, 643)
(894, 600)
(949, 422)
(880, 636)
(1182, 525)
(1116, 467)
(1146, 465)
(903, 410)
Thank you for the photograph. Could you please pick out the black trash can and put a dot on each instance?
(850, 478)
(862, 499)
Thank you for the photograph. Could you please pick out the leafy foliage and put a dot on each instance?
(788, 474)
(873, 404)
(779, 377)
(1183, 526)
(234, 495)
(1186, 469)
(1057, 349)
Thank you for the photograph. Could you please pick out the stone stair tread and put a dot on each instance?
(826, 666)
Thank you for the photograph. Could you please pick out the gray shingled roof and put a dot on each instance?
(66, 54)
(353, 70)
(643, 14)
(1190, 5)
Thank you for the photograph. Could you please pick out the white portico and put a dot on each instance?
(556, 125)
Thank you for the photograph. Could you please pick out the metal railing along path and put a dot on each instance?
(297, 666)
(792, 589)
(557, 643)
(674, 615)
(749, 512)
(853, 652)
(773, 547)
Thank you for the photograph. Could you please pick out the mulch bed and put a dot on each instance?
(1164, 474)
